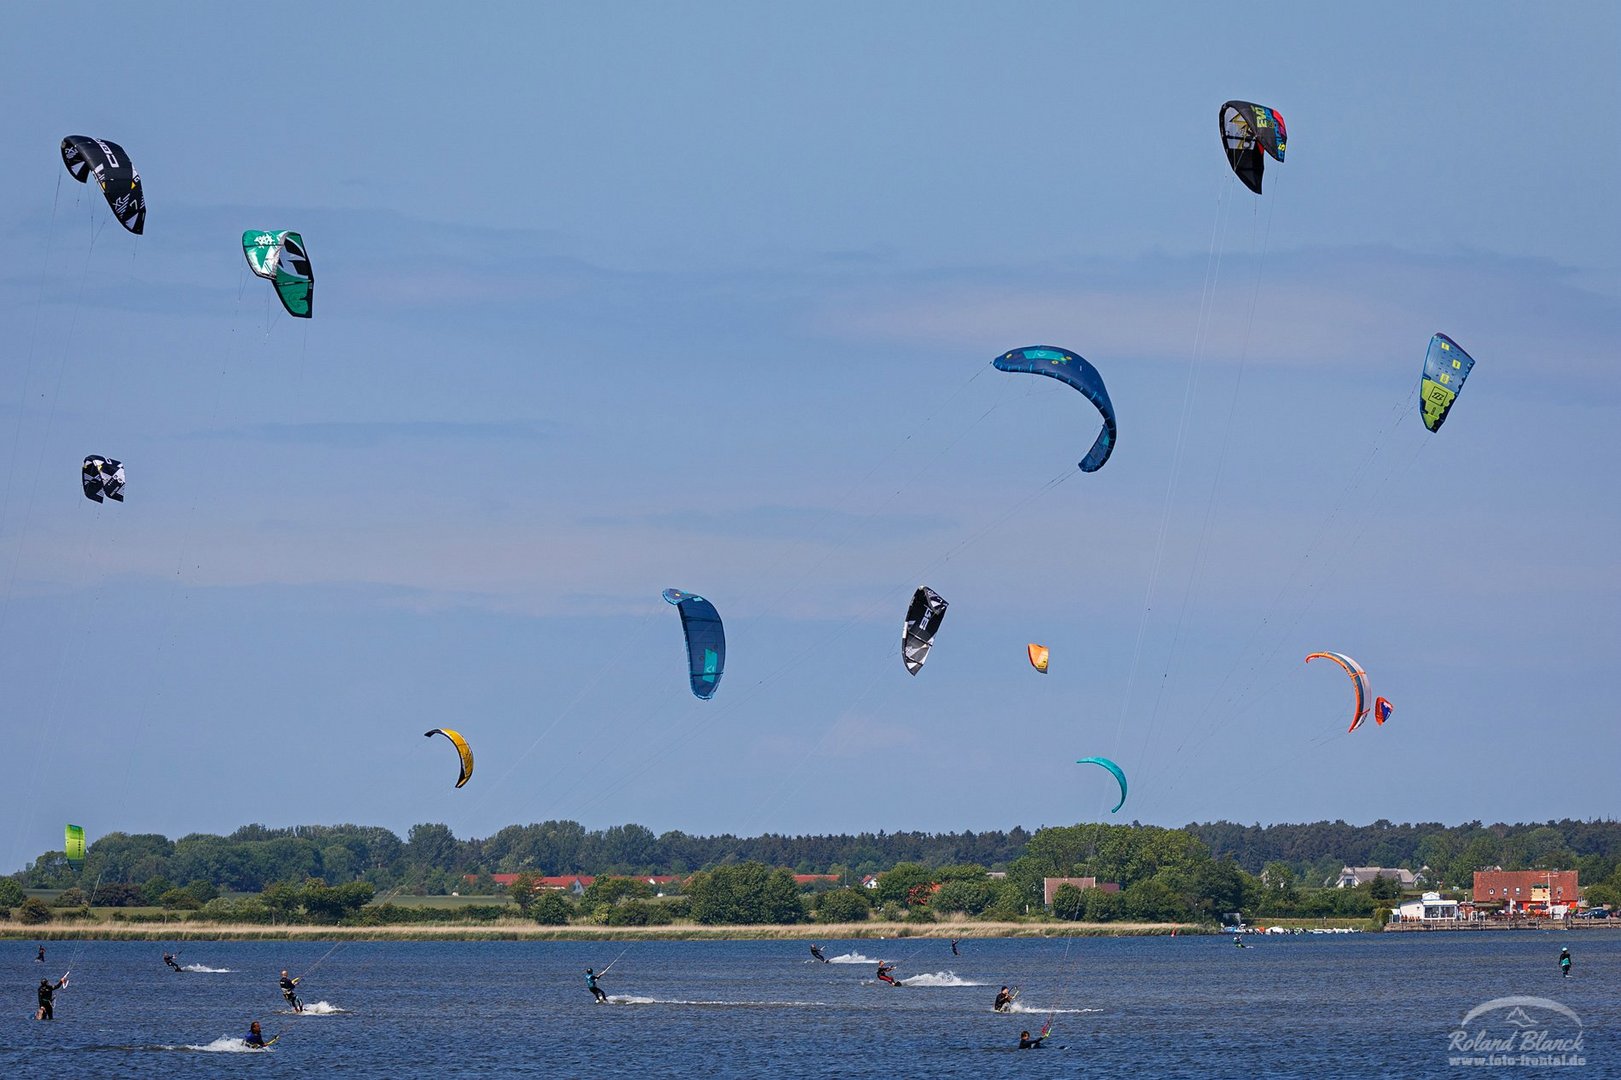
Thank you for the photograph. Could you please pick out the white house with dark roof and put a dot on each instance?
(1360, 875)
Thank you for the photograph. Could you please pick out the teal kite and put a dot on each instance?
(1118, 775)
(280, 258)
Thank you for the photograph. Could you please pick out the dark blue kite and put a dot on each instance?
(706, 640)
(1068, 367)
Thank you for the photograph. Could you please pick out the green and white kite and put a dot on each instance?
(280, 258)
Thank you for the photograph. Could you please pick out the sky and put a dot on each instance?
(614, 298)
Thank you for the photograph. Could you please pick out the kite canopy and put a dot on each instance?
(923, 618)
(1359, 679)
(1067, 367)
(1248, 132)
(73, 843)
(102, 476)
(1038, 656)
(1381, 710)
(706, 640)
(119, 181)
(1446, 366)
(462, 749)
(280, 258)
(1118, 775)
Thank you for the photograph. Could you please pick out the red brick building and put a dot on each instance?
(1528, 892)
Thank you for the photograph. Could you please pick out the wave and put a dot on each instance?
(632, 999)
(1021, 1007)
(940, 978)
(852, 958)
(205, 969)
(225, 1044)
(315, 1008)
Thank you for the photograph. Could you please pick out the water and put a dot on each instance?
(1346, 1006)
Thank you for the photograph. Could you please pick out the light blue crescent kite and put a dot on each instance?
(1071, 368)
(1118, 775)
(706, 640)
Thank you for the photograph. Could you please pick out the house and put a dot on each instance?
(1529, 892)
(870, 881)
(573, 884)
(1431, 908)
(1351, 876)
(1049, 886)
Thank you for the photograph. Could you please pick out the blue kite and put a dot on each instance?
(706, 640)
(1068, 367)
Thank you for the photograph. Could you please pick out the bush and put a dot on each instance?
(1068, 903)
(71, 897)
(179, 900)
(11, 894)
(33, 911)
(968, 897)
(118, 894)
(920, 915)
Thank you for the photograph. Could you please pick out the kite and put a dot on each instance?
(465, 751)
(1067, 367)
(1118, 775)
(1248, 132)
(923, 618)
(1446, 366)
(1038, 656)
(102, 476)
(1381, 710)
(73, 843)
(119, 181)
(280, 258)
(1359, 679)
(706, 640)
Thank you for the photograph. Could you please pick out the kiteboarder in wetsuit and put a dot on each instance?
(289, 991)
(1564, 962)
(47, 991)
(168, 958)
(884, 975)
(1027, 1043)
(40, 959)
(256, 1038)
(816, 951)
(591, 985)
(954, 951)
(1004, 1000)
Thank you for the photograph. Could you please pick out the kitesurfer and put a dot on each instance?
(40, 959)
(954, 951)
(1004, 1000)
(1027, 1043)
(1239, 942)
(1564, 962)
(591, 984)
(168, 958)
(256, 1038)
(47, 991)
(816, 951)
(289, 991)
(884, 975)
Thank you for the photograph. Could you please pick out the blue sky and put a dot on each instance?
(628, 297)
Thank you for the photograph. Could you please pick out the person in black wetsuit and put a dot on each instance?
(1004, 1000)
(256, 1038)
(47, 991)
(1027, 1043)
(954, 951)
(591, 985)
(40, 959)
(816, 951)
(168, 958)
(1564, 962)
(884, 975)
(289, 991)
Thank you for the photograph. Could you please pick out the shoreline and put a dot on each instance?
(520, 931)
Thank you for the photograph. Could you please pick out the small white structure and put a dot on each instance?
(1429, 908)
(1351, 876)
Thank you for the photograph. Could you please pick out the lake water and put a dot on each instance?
(1344, 1006)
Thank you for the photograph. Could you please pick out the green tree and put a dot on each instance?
(522, 891)
(842, 906)
(71, 897)
(334, 903)
(281, 899)
(1068, 903)
(552, 908)
(967, 896)
(1278, 883)
(11, 894)
(904, 882)
(1152, 901)
(611, 890)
